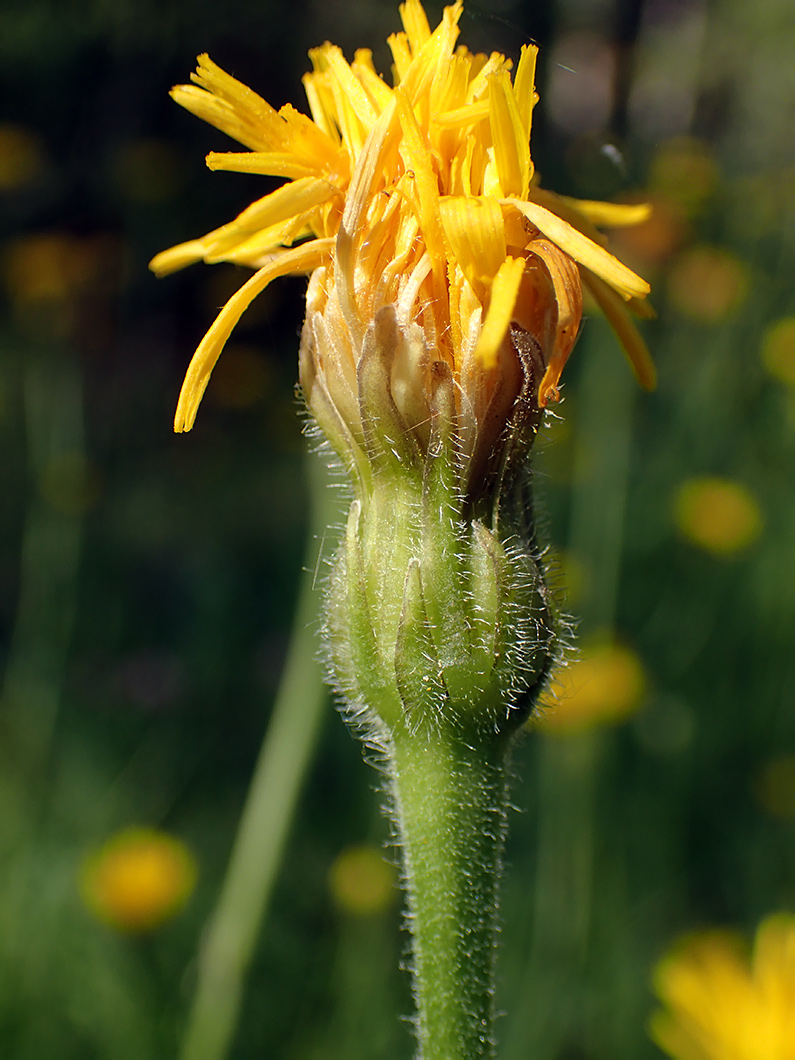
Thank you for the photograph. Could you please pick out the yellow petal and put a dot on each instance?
(624, 326)
(291, 200)
(583, 249)
(401, 55)
(321, 103)
(524, 87)
(449, 91)
(511, 147)
(469, 114)
(266, 163)
(641, 308)
(475, 230)
(249, 118)
(367, 173)
(479, 85)
(253, 250)
(343, 97)
(568, 301)
(415, 23)
(504, 290)
(303, 137)
(211, 77)
(376, 88)
(351, 87)
(430, 62)
(426, 198)
(563, 207)
(611, 214)
(178, 257)
(363, 59)
(299, 260)
(221, 114)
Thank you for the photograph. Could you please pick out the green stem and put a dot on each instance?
(450, 798)
(285, 754)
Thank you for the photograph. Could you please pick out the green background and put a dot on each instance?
(147, 580)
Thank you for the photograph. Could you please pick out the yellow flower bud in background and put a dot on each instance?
(138, 879)
(22, 157)
(707, 284)
(774, 786)
(778, 350)
(717, 514)
(362, 882)
(604, 686)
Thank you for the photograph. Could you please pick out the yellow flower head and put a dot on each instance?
(414, 207)
(720, 1006)
(138, 879)
(362, 882)
(604, 686)
(717, 514)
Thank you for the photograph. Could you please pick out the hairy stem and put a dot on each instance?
(450, 797)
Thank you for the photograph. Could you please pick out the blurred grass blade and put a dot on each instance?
(50, 553)
(282, 764)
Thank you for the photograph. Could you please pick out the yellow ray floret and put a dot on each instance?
(504, 289)
(419, 194)
(299, 260)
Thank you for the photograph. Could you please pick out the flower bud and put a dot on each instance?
(434, 616)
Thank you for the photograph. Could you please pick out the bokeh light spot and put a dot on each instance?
(21, 157)
(778, 350)
(707, 284)
(362, 882)
(604, 686)
(567, 572)
(684, 172)
(46, 275)
(39, 268)
(138, 879)
(657, 239)
(718, 515)
(774, 786)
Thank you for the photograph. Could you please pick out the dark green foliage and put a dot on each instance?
(147, 581)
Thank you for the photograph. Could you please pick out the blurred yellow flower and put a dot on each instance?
(138, 879)
(46, 267)
(22, 157)
(684, 171)
(604, 686)
(774, 786)
(778, 350)
(53, 279)
(362, 882)
(720, 1006)
(420, 197)
(652, 243)
(717, 514)
(707, 284)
